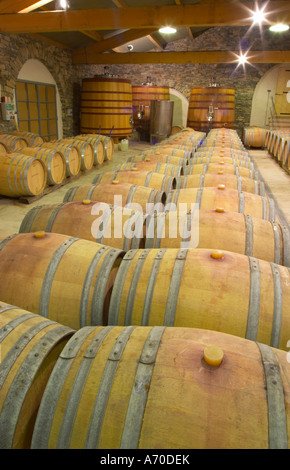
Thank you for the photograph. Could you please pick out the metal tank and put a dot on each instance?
(161, 114)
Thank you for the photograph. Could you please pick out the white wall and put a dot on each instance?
(180, 108)
(35, 71)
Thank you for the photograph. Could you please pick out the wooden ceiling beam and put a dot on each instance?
(15, 6)
(190, 57)
(211, 13)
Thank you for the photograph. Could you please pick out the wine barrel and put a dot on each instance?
(108, 143)
(98, 147)
(179, 161)
(95, 221)
(167, 150)
(230, 181)
(142, 95)
(163, 168)
(142, 178)
(221, 99)
(222, 230)
(221, 166)
(217, 159)
(254, 136)
(13, 143)
(85, 149)
(124, 194)
(30, 347)
(33, 140)
(230, 199)
(21, 175)
(70, 279)
(71, 156)
(53, 160)
(225, 152)
(286, 155)
(106, 106)
(164, 388)
(202, 288)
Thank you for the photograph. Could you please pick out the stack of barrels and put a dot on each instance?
(28, 164)
(157, 308)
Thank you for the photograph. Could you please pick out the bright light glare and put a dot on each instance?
(279, 27)
(242, 59)
(63, 4)
(167, 30)
(258, 16)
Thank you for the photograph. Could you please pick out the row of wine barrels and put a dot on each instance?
(167, 169)
(167, 150)
(53, 160)
(106, 224)
(12, 143)
(254, 136)
(21, 175)
(162, 158)
(164, 388)
(108, 143)
(125, 194)
(71, 155)
(33, 140)
(218, 159)
(229, 181)
(221, 167)
(130, 229)
(30, 347)
(143, 178)
(98, 147)
(70, 279)
(277, 143)
(222, 152)
(85, 149)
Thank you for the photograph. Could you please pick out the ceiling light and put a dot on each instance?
(258, 16)
(167, 30)
(63, 4)
(277, 28)
(242, 59)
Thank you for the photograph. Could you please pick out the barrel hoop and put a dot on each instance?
(254, 300)
(249, 235)
(199, 196)
(23, 175)
(28, 220)
(69, 195)
(239, 183)
(77, 388)
(49, 275)
(54, 387)
(176, 196)
(277, 248)
(8, 173)
(151, 222)
(271, 208)
(8, 327)
(150, 287)
(52, 217)
(286, 245)
(159, 230)
(140, 389)
(118, 287)
(24, 376)
(277, 421)
(131, 194)
(278, 306)
(6, 240)
(133, 286)
(184, 181)
(205, 168)
(237, 171)
(241, 202)
(262, 188)
(87, 287)
(174, 287)
(107, 214)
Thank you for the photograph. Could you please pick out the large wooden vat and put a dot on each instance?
(222, 230)
(203, 288)
(142, 95)
(230, 199)
(95, 221)
(21, 175)
(149, 179)
(30, 347)
(221, 99)
(62, 278)
(106, 106)
(164, 388)
(124, 194)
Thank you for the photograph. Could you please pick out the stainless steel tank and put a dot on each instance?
(161, 114)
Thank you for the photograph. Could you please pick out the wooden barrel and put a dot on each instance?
(142, 95)
(222, 230)
(21, 175)
(219, 166)
(95, 221)
(217, 159)
(167, 150)
(159, 167)
(53, 160)
(106, 106)
(30, 347)
(221, 99)
(230, 199)
(33, 140)
(226, 152)
(230, 181)
(98, 147)
(85, 149)
(124, 194)
(179, 161)
(71, 155)
(108, 143)
(285, 158)
(70, 279)
(202, 288)
(141, 178)
(164, 388)
(13, 143)
(254, 136)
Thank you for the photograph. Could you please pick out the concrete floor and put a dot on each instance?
(277, 182)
